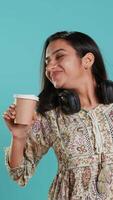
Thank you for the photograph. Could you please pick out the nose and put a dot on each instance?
(51, 66)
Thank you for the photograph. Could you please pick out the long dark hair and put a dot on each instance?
(67, 100)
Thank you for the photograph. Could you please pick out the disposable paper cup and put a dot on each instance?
(25, 108)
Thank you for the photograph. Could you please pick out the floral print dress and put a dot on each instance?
(79, 141)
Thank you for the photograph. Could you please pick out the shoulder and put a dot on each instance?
(108, 111)
(108, 107)
(52, 114)
(48, 116)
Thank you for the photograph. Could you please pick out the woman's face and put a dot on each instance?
(63, 66)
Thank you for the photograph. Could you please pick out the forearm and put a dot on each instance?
(16, 152)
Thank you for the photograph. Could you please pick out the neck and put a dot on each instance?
(87, 95)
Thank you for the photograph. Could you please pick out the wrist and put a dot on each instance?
(19, 138)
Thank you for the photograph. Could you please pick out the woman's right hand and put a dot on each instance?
(18, 131)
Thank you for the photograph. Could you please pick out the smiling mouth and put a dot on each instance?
(53, 75)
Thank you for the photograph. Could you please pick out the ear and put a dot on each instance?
(88, 60)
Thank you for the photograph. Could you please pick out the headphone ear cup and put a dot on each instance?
(107, 91)
(69, 101)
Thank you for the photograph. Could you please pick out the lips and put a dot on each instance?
(54, 74)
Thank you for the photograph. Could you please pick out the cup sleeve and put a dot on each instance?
(37, 144)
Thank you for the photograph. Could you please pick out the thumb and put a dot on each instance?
(34, 117)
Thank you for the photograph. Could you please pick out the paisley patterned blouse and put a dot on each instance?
(79, 141)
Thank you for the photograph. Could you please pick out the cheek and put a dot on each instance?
(72, 68)
(74, 73)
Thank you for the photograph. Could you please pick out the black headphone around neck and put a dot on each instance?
(70, 103)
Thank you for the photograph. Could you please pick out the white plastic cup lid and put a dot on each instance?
(26, 96)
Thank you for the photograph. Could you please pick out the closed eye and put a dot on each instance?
(58, 57)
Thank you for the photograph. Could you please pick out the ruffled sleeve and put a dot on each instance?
(38, 143)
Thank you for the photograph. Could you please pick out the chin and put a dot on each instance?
(57, 86)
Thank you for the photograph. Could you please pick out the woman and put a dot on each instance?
(74, 117)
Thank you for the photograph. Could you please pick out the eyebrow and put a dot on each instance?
(56, 51)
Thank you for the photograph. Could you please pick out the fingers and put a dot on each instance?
(5, 116)
(10, 113)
